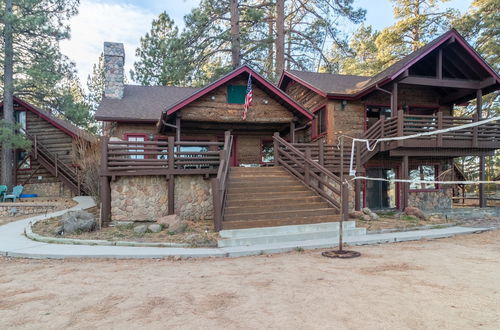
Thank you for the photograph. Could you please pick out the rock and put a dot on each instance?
(366, 210)
(75, 221)
(366, 217)
(154, 228)
(374, 216)
(167, 220)
(140, 229)
(415, 211)
(178, 227)
(356, 214)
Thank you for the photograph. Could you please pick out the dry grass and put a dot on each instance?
(392, 220)
(198, 233)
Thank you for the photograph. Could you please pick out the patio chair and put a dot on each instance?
(16, 192)
(3, 190)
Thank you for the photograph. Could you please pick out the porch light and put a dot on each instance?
(212, 98)
(343, 103)
(265, 101)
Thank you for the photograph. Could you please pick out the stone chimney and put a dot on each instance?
(114, 60)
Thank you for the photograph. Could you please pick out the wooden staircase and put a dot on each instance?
(271, 196)
(67, 174)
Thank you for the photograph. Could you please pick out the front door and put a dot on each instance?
(380, 194)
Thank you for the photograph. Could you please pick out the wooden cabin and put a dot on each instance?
(189, 151)
(415, 95)
(49, 168)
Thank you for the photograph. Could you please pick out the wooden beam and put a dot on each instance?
(178, 128)
(479, 106)
(292, 131)
(482, 176)
(441, 152)
(439, 64)
(449, 83)
(394, 99)
(487, 82)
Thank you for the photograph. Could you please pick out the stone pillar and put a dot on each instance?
(114, 60)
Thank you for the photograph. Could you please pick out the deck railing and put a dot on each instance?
(482, 136)
(161, 157)
(315, 176)
(219, 184)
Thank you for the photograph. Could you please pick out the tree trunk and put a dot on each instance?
(8, 107)
(270, 45)
(280, 37)
(235, 34)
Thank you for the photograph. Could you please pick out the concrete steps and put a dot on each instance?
(290, 233)
(270, 197)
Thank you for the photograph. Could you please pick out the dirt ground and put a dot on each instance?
(440, 284)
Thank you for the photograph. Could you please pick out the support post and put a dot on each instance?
(357, 183)
(404, 190)
(400, 127)
(394, 99)
(36, 147)
(439, 139)
(276, 149)
(382, 132)
(439, 64)
(171, 179)
(217, 204)
(478, 116)
(292, 131)
(178, 128)
(104, 186)
(482, 197)
(344, 188)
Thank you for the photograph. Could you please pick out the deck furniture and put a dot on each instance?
(3, 190)
(14, 195)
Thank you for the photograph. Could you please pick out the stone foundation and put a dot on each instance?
(26, 209)
(47, 189)
(430, 200)
(145, 198)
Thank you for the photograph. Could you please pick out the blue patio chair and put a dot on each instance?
(16, 192)
(3, 190)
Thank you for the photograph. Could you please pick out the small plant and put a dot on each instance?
(409, 218)
(299, 249)
(386, 214)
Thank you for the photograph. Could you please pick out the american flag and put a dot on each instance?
(248, 97)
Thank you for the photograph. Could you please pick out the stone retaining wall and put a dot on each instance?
(26, 208)
(429, 200)
(47, 189)
(145, 198)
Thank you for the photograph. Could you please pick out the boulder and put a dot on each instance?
(366, 217)
(178, 227)
(372, 215)
(140, 229)
(154, 228)
(415, 211)
(77, 221)
(356, 214)
(167, 220)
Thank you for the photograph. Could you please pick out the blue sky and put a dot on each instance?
(127, 20)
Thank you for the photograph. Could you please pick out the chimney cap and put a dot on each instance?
(114, 49)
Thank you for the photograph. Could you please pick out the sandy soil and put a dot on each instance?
(440, 284)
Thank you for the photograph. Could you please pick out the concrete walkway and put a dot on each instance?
(14, 243)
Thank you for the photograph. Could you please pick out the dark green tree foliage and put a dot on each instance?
(162, 55)
(42, 74)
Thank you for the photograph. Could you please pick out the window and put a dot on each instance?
(373, 114)
(22, 163)
(136, 147)
(423, 173)
(319, 123)
(267, 150)
(21, 120)
(236, 94)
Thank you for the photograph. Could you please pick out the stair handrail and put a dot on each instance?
(312, 170)
(61, 167)
(219, 184)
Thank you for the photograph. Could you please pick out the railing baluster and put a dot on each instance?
(400, 127)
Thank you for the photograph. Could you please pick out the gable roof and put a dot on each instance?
(141, 103)
(288, 101)
(64, 125)
(351, 88)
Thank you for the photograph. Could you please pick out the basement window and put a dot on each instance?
(236, 94)
(423, 173)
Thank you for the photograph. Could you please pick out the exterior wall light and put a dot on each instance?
(265, 101)
(151, 137)
(212, 98)
(343, 103)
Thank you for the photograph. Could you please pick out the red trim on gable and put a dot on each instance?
(232, 75)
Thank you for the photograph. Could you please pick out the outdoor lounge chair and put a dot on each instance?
(16, 192)
(3, 190)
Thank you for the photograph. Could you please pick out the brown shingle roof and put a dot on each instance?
(331, 83)
(142, 103)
